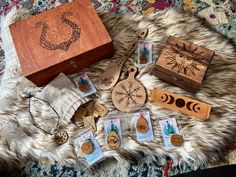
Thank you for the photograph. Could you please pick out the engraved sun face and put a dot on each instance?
(184, 62)
(181, 60)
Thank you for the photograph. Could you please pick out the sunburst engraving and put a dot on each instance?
(183, 59)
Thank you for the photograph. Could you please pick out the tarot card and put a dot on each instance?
(143, 126)
(112, 128)
(85, 85)
(96, 155)
(168, 127)
(144, 53)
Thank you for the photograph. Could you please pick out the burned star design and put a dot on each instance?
(128, 94)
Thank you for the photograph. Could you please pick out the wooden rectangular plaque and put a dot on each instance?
(180, 103)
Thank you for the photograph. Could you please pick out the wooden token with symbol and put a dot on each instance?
(176, 140)
(61, 137)
(142, 125)
(113, 140)
(87, 147)
(129, 94)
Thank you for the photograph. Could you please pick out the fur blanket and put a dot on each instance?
(204, 141)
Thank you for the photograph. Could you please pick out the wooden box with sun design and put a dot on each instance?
(183, 64)
(65, 39)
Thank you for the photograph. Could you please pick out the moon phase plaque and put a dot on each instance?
(129, 94)
(180, 103)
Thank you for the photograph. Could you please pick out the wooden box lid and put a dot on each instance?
(54, 36)
(184, 60)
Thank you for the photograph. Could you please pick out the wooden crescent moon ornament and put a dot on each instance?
(113, 140)
(61, 137)
(110, 77)
(128, 94)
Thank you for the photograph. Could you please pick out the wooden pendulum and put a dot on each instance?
(61, 137)
(176, 140)
(87, 147)
(142, 125)
(129, 94)
(110, 77)
(113, 140)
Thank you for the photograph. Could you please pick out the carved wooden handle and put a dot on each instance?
(110, 77)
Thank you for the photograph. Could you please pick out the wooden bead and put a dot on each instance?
(61, 137)
(87, 147)
(113, 140)
(176, 140)
(142, 125)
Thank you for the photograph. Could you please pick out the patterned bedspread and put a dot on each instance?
(220, 15)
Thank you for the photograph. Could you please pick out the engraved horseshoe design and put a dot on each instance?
(64, 45)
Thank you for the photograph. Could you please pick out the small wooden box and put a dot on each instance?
(65, 39)
(183, 64)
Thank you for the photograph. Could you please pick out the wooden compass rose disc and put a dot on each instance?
(129, 94)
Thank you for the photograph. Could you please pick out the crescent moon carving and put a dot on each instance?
(194, 106)
(188, 105)
(172, 99)
(166, 97)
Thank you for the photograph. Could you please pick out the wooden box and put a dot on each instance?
(183, 64)
(65, 39)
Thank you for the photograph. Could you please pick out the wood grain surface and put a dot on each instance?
(39, 59)
(185, 63)
(180, 103)
(129, 94)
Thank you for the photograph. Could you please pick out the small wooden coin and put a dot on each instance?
(142, 125)
(87, 147)
(129, 94)
(61, 137)
(113, 140)
(176, 140)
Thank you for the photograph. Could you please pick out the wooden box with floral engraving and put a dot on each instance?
(65, 39)
(183, 64)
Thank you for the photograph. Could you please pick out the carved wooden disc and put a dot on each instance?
(113, 140)
(142, 125)
(61, 137)
(176, 140)
(129, 94)
(87, 147)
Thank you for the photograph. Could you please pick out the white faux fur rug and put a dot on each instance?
(204, 141)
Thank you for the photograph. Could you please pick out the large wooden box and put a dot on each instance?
(183, 64)
(65, 39)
